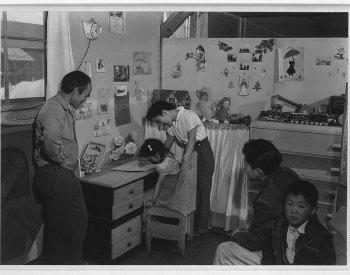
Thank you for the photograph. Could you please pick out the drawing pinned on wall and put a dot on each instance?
(86, 68)
(122, 109)
(84, 112)
(121, 73)
(243, 84)
(231, 57)
(139, 91)
(291, 64)
(263, 73)
(257, 86)
(265, 46)
(323, 60)
(340, 53)
(116, 22)
(120, 90)
(142, 63)
(244, 49)
(224, 47)
(100, 65)
(230, 85)
(257, 57)
(199, 56)
(176, 71)
(102, 128)
(244, 65)
(102, 101)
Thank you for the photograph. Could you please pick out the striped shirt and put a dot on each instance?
(186, 120)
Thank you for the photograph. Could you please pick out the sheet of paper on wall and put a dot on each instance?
(291, 64)
(86, 68)
(84, 111)
(142, 63)
(122, 109)
(133, 166)
(116, 22)
(102, 101)
(102, 128)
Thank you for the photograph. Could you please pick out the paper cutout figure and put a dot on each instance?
(257, 86)
(224, 47)
(230, 85)
(265, 46)
(263, 73)
(340, 53)
(231, 57)
(245, 49)
(244, 66)
(291, 53)
(291, 64)
(199, 56)
(257, 57)
(102, 101)
(138, 91)
(243, 85)
(223, 112)
(226, 72)
(204, 108)
(176, 71)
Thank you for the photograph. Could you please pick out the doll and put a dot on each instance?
(222, 112)
(204, 107)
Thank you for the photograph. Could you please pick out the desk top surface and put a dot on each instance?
(114, 179)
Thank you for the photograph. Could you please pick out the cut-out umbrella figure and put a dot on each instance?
(291, 53)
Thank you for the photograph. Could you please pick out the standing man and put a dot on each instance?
(188, 129)
(56, 158)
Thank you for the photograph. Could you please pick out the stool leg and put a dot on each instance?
(191, 225)
(148, 234)
(182, 241)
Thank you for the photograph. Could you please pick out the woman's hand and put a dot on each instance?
(149, 203)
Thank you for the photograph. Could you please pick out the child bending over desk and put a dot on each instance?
(154, 151)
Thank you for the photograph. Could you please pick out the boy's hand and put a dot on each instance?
(149, 204)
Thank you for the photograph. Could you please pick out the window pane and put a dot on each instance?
(25, 24)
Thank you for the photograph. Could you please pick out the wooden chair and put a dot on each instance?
(167, 224)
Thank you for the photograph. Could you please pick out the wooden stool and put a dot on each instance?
(158, 228)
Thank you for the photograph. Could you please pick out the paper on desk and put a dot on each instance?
(133, 166)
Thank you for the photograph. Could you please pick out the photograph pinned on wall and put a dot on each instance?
(142, 63)
(121, 73)
(84, 112)
(120, 90)
(291, 64)
(100, 65)
(244, 66)
(323, 60)
(116, 22)
(102, 101)
(257, 57)
(122, 109)
(231, 57)
(102, 128)
(244, 49)
(86, 68)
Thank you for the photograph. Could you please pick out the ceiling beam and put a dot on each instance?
(172, 23)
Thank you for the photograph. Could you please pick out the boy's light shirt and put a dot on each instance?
(292, 235)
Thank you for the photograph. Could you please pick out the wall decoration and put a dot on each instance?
(323, 60)
(204, 108)
(231, 57)
(263, 73)
(230, 85)
(121, 109)
(119, 90)
(100, 65)
(102, 101)
(227, 73)
(116, 21)
(124, 148)
(244, 65)
(84, 111)
(86, 68)
(291, 64)
(199, 56)
(92, 157)
(224, 47)
(257, 86)
(142, 63)
(121, 73)
(257, 57)
(340, 53)
(176, 71)
(102, 128)
(243, 83)
(177, 97)
(223, 112)
(244, 49)
(265, 46)
(139, 92)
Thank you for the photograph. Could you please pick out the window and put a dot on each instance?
(23, 56)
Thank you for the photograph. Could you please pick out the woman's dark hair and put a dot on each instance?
(75, 79)
(157, 109)
(261, 153)
(304, 188)
(151, 147)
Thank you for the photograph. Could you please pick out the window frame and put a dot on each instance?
(20, 102)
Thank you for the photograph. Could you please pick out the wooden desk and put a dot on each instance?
(114, 202)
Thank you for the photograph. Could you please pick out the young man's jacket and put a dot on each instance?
(315, 247)
(267, 207)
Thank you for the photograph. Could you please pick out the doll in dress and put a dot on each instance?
(204, 108)
(223, 112)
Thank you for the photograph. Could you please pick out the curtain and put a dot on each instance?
(59, 51)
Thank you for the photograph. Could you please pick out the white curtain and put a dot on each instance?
(59, 50)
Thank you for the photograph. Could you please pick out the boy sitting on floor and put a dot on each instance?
(298, 237)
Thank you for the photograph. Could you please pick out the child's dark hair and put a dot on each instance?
(152, 146)
(75, 79)
(157, 109)
(261, 153)
(304, 188)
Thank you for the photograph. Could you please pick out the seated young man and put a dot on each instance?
(262, 164)
(298, 237)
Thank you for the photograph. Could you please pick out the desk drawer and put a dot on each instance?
(126, 230)
(127, 207)
(125, 245)
(300, 142)
(125, 193)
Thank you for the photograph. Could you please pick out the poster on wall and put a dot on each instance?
(116, 22)
(120, 90)
(142, 63)
(102, 101)
(102, 128)
(291, 64)
(84, 112)
(100, 65)
(121, 73)
(122, 109)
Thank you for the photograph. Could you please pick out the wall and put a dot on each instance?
(142, 34)
(318, 84)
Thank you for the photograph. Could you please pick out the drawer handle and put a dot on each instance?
(131, 191)
(335, 170)
(131, 205)
(129, 244)
(129, 229)
(336, 146)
